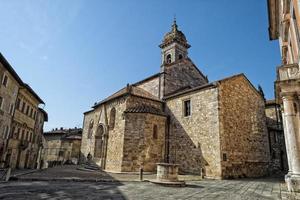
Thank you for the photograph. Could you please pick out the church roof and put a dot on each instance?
(174, 35)
(147, 79)
(211, 85)
(129, 89)
(145, 109)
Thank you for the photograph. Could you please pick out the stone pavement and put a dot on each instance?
(205, 189)
(52, 184)
(71, 173)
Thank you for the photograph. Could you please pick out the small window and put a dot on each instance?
(155, 132)
(27, 110)
(11, 109)
(275, 137)
(168, 60)
(112, 119)
(23, 135)
(6, 132)
(34, 113)
(1, 103)
(5, 80)
(61, 153)
(18, 103)
(23, 107)
(187, 108)
(27, 136)
(224, 157)
(17, 136)
(91, 125)
(180, 57)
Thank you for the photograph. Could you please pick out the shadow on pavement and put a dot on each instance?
(62, 182)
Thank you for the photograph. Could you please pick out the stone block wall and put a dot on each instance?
(115, 136)
(86, 143)
(151, 86)
(101, 116)
(243, 131)
(181, 74)
(141, 146)
(194, 140)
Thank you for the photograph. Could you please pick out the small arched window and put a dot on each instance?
(112, 118)
(155, 131)
(90, 130)
(100, 132)
(180, 57)
(168, 60)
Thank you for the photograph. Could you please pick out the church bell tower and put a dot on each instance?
(174, 46)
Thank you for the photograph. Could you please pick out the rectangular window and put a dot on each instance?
(27, 135)
(23, 135)
(33, 138)
(23, 107)
(1, 103)
(27, 110)
(6, 132)
(18, 103)
(296, 29)
(224, 157)
(5, 80)
(18, 133)
(187, 108)
(11, 109)
(61, 153)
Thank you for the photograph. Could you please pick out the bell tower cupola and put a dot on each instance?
(174, 46)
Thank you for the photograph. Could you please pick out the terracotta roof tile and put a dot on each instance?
(145, 109)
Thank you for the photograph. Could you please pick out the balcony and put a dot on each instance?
(288, 72)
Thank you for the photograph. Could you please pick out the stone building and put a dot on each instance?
(9, 87)
(217, 129)
(276, 138)
(284, 23)
(22, 120)
(61, 146)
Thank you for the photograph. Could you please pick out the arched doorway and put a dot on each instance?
(99, 141)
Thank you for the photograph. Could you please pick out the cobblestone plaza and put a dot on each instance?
(205, 189)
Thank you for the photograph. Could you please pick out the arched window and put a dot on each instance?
(180, 57)
(112, 118)
(168, 60)
(98, 141)
(155, 131)
(90, 129)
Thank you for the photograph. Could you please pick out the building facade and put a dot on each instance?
(284, 23)
(217, 129)
(22, 120)
(9, 88)
(61, 146)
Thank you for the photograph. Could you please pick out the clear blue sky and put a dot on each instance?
(76, 52)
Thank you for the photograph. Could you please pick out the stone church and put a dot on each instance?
(217, 129)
